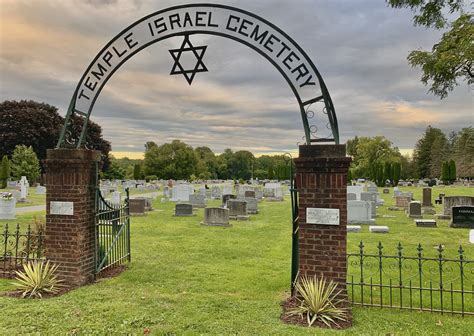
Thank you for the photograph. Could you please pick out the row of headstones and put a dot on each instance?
(185, 192)
(231, 208)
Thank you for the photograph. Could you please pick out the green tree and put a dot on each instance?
(429, 152)
(396, 173)
(452, 58)
(369, 154)
(25, 163)
(115, 172)
(452, 171)
(463, 152)
(207, 166)
(445, 172)
(137, 171)
(38, 125)
(175, 160)
(387, 172)
(4, 171)
(240, 165)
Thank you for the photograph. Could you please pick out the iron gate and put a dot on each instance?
(294, 223)
(112, 232)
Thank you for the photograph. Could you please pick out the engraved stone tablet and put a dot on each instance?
(62, 208)
(322, 216)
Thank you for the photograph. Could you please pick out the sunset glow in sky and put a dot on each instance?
(242, 102)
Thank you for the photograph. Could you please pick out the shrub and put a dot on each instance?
(37, 279)
(318, 301)
(149, 178)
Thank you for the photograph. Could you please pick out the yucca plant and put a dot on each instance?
(318, 301)
(37, 279)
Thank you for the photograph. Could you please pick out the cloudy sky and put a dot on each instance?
(359, 47)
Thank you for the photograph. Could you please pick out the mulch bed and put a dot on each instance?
(292, 302)
(106, 274)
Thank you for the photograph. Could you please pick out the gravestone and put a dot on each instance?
(116, 198)
(372, 189)
(216, 217)
(7, 207)
(237, 209)
(425, 223)
(452, 201)
(12, 184)
(414, 210)
(216, 192)
(372, 198)
(40, 190)
(227, 197)
(181, 192)
(249, 194)
(351, 197)
(227, 189)
(148, 202)
(463, 216)
(259, 194)
(426, 198)
(402, 201)
(252, 205)
(137, 206)
(359, 212)
(23, 189)
(471, 236)
(378, 229)
(197, 200)
(357, 190)
(386, 191)
(353, 228)
(183, 210)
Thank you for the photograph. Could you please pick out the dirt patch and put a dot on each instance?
(292, 302)
(111, 272)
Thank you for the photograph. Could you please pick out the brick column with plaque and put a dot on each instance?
(70, 209)
(321, 181)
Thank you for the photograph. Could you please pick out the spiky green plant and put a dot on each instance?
(318, 301)
(37, 279)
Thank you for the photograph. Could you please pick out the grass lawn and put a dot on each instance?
(189, 279)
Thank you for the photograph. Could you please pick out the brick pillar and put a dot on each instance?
(321, 181)
(70, 239)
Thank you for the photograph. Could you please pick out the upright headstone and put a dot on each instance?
(252, 205)
(183, 210)
(249, 194)
(451, 201)
(23, 188)
(216, 192)
(40, 190)
(116, 198)
(463, 216)
(414, 210)
(197, 200)
(357, 190)
(426, 198)
(402, 201)
(227, 197)
(237, 209)
(137, 206)
(372, 198)
(359, 212)
(7, 206)
(216, 217)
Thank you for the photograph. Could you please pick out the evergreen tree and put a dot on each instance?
(25, 163)
(137, 171)
(445, 172)
(452, 171)
(387, 172)
(396, 172)
(4, 171)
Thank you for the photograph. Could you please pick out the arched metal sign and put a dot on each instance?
(212, 19)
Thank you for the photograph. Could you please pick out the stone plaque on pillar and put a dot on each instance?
(321, 182)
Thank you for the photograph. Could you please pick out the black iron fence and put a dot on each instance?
(414, 282)
(18, 248)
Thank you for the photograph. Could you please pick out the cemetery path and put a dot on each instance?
(30, 209)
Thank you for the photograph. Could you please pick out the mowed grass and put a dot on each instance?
(185, 278)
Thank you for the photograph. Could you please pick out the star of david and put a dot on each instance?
(187, 47)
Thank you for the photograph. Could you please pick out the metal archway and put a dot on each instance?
(212, 19)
